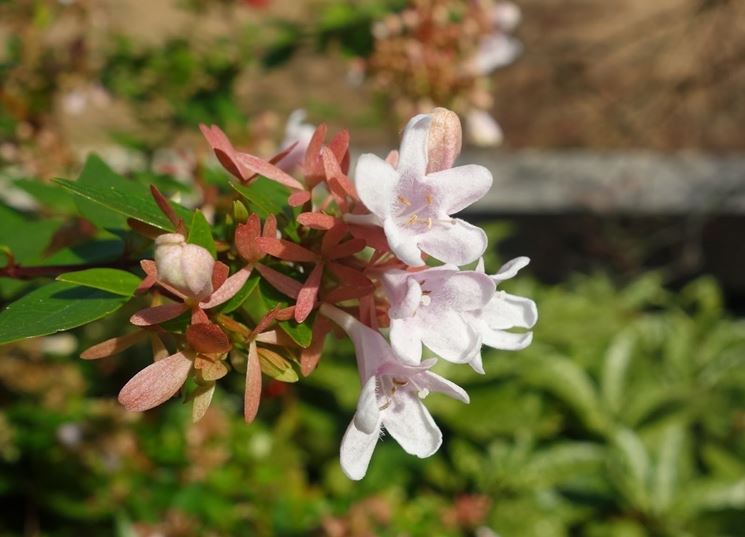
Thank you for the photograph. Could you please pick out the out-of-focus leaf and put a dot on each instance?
(50, 196)
(665, 479)
(54, 307)
(264, 196)
(119, 282)
(630, 467)
(200, 233)
(617, 360)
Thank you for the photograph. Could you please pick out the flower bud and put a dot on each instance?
(443, 140)
(186, 267)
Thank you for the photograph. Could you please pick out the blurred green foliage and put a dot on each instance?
(624, 418)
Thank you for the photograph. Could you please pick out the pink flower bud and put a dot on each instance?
(187, 267)
(444, 140)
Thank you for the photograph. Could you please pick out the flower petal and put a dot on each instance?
(367, 417)
(508, 341)
(411, 425)
(460, 291)
(457, 188)
(375, 181)
(356, 451)
(436, 383)
(449, 336)
(412, 158)
(406, 340)
(510, 269)
(155, 384)
(403, 244)
(509, 311)
(456, 242)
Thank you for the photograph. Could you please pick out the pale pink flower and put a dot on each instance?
(391, 398)
(502, 313)
(414, 206)
(427, 307)
(296, 132)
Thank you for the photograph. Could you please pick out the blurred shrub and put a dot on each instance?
(624, 418)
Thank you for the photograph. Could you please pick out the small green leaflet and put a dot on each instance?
(200, 233)
(55, 307)
(124, 197)
(115, 281)
(263, 299)
(265, 197)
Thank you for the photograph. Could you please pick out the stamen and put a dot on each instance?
(429, 223)
(404, 201)
(426, 300)
(411, 220)
(429, 199)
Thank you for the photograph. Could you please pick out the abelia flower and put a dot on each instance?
(183, 266)
(297, 136)
(502, 313)
(482, 129)
(414, 206)
(427, 307)
(391, 398)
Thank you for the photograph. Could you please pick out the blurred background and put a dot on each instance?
(616, 134)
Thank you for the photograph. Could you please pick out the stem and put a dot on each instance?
(18, 272)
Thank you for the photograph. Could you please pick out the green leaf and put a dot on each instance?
(616, 364)
(119, 282)
(630, 467)
(237, 300)
(102, 186)
(55, 307)
(201, 233)
(264, 196)
(277, 367)
(26, 238)
(665, 478)
(50, 196)
(264, 298)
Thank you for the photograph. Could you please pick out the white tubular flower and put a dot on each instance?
(414, 206)
(427, 307)
(296, 131)
(391, 398)
(502, 313)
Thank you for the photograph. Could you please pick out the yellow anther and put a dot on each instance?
(404, 201)
(429, 223)
(411, 220)
(429, 199)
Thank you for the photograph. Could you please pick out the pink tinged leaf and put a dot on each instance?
(411, 425)
(332, 237)
(224, 150)
(219, 274)
(339, 183)
(286, 250)
(339, 145)
(457, 188)
(457, 242)
(270, 227)
(356, 451)
(276, 337)
(113, 346)
(306, 298)
(444, 140)
(245, 239)
(228, 289)
(310, 356)
(198, 316)
(155, 384)
(252, 396)
(207, 338)
(317, 220)
(268, 319)
(348, 248)
(158, 347)
(373, 236)
(283, 284)
(413, 155)
(151, 270)
(298, 198)
(201, 403)
(285, 314)
(270, 171)
(312, 168)
(344, 293)
(157, 314)
(349, 276)
(165, 206)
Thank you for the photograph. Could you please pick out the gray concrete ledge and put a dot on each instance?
(611, 182)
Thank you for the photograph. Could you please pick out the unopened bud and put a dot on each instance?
(444, 140)
(187, 267)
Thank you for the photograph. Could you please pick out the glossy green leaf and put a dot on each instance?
(119, 282)
(264, 196)
(200, 233)
(264, 298)
(26, 238)
(127, 199)
(55, 307)
(48, 195)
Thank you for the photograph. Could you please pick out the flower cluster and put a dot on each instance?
(379, 256)
(442, 52)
